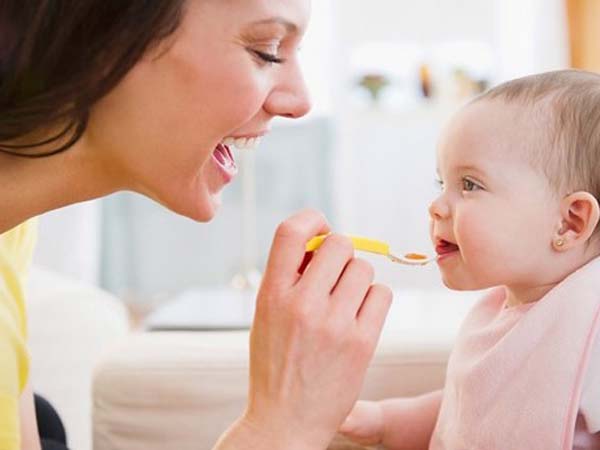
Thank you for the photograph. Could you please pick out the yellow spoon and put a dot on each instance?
(374, 246)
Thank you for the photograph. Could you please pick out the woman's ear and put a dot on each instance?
(580, 213)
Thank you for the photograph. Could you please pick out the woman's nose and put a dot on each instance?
(290, 97)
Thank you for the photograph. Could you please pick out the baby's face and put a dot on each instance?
(494, 218)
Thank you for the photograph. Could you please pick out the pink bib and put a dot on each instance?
(514, 378)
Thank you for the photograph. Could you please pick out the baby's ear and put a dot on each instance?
(580, 214)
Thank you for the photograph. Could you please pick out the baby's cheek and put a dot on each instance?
(481, 251)
(473, 235)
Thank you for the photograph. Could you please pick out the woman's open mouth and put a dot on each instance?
(223, 156)
(225, 162)
(445, 249)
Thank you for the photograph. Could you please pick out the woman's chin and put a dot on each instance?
(200, 208)
(207, 209)
(205, 196)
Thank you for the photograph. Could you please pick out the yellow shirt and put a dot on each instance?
(16, 247)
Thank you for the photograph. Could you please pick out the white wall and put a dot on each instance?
(385, 158)
(69, 241)
(382, 162)
(423, 20)
(530, 36)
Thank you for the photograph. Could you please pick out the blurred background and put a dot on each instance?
(384, 75)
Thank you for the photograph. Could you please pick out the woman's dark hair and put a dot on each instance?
(59, 57)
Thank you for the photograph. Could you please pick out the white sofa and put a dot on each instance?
(71, 324)
(180, 390)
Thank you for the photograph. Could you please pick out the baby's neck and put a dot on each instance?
(524, 294)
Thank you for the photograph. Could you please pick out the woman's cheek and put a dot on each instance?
(255, 91)
(236, 106)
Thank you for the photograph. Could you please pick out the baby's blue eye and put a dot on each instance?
(439, 184)
(469, 185)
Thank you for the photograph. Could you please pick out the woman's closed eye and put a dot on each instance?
(266, 57)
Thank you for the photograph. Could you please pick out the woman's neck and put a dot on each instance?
(31, 187)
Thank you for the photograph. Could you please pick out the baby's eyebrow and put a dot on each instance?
(470, 168)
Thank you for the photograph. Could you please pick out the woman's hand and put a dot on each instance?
(313, 337)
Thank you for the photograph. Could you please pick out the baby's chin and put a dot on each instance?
(463, 285)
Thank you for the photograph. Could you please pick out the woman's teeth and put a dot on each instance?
(242, 143)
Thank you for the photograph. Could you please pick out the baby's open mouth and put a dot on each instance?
(444, 247)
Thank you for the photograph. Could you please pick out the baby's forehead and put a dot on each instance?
(492, 132)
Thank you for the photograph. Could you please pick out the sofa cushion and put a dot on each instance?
(180, 390)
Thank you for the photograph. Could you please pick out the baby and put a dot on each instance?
(519, 170)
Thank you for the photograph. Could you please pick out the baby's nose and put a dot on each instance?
(438, 209)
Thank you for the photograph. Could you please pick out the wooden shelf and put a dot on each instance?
(584, 32)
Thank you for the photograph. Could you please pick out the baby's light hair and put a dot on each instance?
(568, 102)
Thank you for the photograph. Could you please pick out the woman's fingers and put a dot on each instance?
(373, 311)
(350, 291)
(307, 359)
(289, 246)
(327, 264)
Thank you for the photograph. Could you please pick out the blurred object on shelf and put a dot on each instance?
(374, 84)
(389, 69)
(400, 75)
(466, 85)
(425, 80)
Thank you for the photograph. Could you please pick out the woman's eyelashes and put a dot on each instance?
(266, 57)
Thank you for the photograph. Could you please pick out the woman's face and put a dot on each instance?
(226, 72)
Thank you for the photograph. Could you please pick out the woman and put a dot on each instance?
(98, 96)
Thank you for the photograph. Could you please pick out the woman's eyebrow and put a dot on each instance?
(289, 26)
